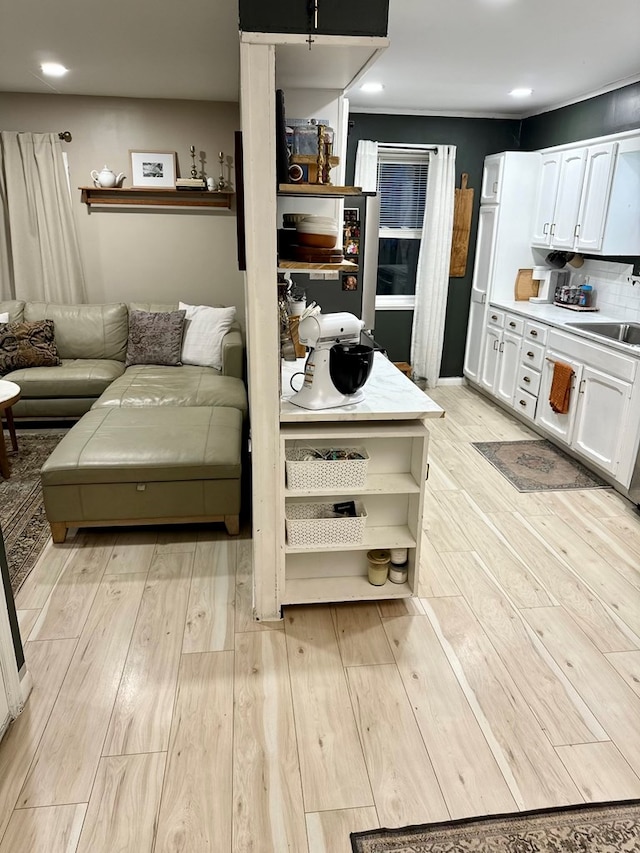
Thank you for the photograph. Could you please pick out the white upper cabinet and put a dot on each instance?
(546, 199)
(492, 179)
(565, 217)
(595, 196)
(588, 199)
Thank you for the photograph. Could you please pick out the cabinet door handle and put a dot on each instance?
(529, 354)
(495, 186)
(495, 344)
(576, 233)
(526, 379)
(553, 229)
(494, 316)
(582, 384)
(501, 347)
(512, 324)
(523, 402)
(533, 333)
(545, 229)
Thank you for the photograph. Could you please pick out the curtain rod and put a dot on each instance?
(65, 135)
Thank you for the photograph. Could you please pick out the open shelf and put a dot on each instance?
(374, 537)
(318, 191)
(376, 484)
(351, 588)
(156, 196)
(299, 266)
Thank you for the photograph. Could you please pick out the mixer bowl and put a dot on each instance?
(350, 366)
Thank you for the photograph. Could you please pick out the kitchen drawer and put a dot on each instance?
(535, 332)
(514, 324)
(495, 318)
(525, 403)
(529, 380)
(532, 355)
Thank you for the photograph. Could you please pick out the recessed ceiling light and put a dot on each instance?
(372, 87)
(521, 93)
(53, 69)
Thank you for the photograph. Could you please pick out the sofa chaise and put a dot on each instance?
(155, 444)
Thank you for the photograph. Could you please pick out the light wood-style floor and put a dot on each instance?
(164, 719)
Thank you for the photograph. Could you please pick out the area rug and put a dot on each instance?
(24, 523)
(537, 466)
(610, 828)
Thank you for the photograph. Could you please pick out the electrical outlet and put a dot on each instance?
(332, 276)
(316, 276)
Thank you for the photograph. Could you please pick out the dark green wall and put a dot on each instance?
(474, 139)
(612, 112)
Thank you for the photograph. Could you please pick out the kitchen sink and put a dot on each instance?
(626, 333)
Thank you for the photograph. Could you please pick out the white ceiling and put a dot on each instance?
(454, 56)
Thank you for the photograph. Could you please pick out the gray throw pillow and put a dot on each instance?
(25, 344)
(155, 337)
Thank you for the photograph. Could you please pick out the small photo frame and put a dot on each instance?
(349, 281)
(153, 169)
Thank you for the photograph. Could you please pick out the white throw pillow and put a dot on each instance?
(4, 317)
(204, 329)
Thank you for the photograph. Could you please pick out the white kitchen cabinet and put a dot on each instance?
(503, 244)
(559, 425)
(502, 355)
(595, 425)
(492, 179)
(601, 417)
(482, 274)
(546, 199)
(574, 200)
(596, 193)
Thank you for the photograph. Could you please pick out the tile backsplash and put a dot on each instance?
(615, 296)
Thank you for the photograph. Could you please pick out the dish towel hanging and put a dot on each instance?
(560, 387)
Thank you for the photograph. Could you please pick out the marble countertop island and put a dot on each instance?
(388, 395)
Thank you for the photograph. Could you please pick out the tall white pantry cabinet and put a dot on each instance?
(316, 77)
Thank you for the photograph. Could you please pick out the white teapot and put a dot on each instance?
(107, 178)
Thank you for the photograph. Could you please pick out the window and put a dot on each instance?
(402, 186)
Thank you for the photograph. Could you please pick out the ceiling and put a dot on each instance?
(460, 57)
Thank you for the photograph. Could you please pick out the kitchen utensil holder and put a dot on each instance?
(311, 474)
(310, 525)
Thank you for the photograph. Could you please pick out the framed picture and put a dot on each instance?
(153, 168)
(349, 281)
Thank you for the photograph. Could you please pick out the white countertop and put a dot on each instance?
(388, 395)
(561, 318)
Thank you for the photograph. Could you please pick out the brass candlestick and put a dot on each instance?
(194, 171)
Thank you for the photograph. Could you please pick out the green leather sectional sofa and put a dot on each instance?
(154, 444)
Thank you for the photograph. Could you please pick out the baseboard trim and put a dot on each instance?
(452, 380)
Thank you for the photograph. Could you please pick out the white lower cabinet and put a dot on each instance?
(392, 496)
(595, 425)
(501, 355)
(601, 418)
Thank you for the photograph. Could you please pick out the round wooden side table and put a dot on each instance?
(9, 394)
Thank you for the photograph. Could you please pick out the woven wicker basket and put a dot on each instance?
(309, 525)
(311, 474)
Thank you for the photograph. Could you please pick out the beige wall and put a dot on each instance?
(139, 255)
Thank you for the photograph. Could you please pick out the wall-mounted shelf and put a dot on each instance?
(156, 196)
(299, 266)
(318, 191)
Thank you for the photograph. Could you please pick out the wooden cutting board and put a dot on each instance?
(463, 208)
(526, 285)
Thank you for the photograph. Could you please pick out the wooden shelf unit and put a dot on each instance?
(318, 191)
(154, 196)
(299, 266)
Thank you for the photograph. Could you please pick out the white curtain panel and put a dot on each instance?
(366, 173)
(432, 278)
(39, 251)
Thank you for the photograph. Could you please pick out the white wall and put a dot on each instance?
(143, 255)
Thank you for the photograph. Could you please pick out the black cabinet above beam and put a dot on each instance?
(325, 17)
